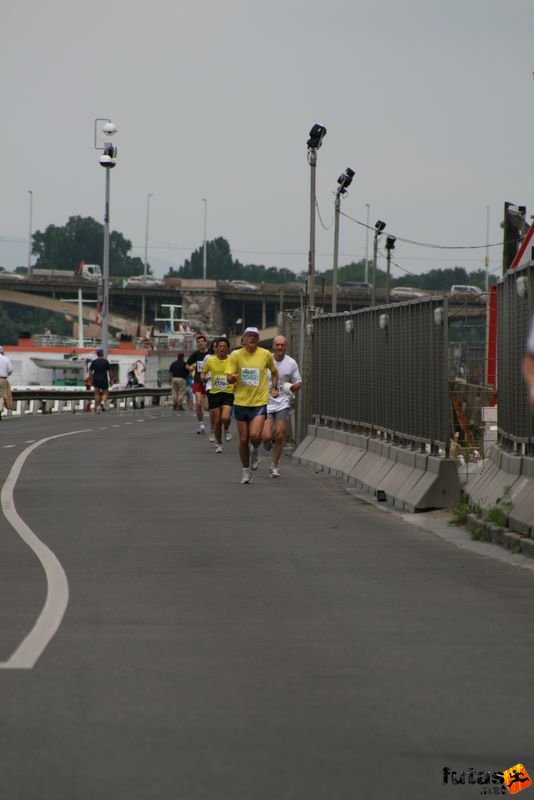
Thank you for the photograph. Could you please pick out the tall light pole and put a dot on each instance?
(205, 248)
(30, 234)
(344, 182)
(366, 275)
(390, 245)
(317, 134)
(145, 268)
(108, 161)
(486, 259)
(379, 227)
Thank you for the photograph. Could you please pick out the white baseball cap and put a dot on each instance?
(251, 330)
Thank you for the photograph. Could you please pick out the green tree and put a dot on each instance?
(82, 239)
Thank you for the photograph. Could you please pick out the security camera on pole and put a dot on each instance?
(317, 134)
(344, 182)
(108, 161)
(379, 228)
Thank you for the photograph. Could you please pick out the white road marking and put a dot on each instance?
(57, 596)
(6, 446)
(30, 441)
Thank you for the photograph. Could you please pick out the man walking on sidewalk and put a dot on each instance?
(247, 369)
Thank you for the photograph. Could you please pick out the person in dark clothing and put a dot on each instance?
(101, 379)
(178, 374)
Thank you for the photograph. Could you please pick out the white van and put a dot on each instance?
(459, 288)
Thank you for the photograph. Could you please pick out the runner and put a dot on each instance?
(247, 370)
(101, 379)
(220, 393)
(278, 408)
(194, 365)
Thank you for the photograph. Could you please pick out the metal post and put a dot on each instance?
(375, 256)
(80, 318)
(486, 260)
(145, 270)
(30, 234)
(336, 252)
(105, 273)
(205, 248)
(312, 160)
(367, 244)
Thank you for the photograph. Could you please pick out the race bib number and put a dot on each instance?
(220, 382)
(250, 376)
(199, 366)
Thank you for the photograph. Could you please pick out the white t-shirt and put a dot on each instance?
(288, 372)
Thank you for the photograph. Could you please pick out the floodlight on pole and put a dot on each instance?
(316, 136)
(108, 159)
(379, 228)
(344, 181)
(390, 245)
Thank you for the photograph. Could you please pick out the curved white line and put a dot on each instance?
(57, 595)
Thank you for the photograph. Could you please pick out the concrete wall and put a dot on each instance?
(410, 481)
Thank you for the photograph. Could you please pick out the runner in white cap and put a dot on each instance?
(278, 407)
(247, 369)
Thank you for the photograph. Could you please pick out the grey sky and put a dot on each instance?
(430, 102)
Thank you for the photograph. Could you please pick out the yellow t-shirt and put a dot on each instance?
(252, 387)
(215, 367)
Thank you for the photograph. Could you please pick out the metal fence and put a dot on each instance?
(515, 295)
(381, 370)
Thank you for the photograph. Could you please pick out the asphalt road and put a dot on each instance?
(224, 642)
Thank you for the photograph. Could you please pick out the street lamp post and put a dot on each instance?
(145, 268)
(108, 161)
(379, 227)
(317, 134)
(30, 234)
(205, 247)
(344, 182)
(366, 273)
(390, 245)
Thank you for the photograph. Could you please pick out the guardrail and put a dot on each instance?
(49, 401)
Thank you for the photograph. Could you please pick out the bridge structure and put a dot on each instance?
(209, 305)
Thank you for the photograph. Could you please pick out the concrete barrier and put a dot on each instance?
(507, 481)
(408, 480)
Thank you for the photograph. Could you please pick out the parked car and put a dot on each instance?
(244, 286)
(142, 280)
(459, 288)
(356, 285)
(406, 293)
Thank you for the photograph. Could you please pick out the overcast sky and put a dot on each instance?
(431, 102)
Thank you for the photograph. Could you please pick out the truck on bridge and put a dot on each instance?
(91, 272)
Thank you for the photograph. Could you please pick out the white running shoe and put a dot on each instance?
(254, 458)
(227, 436)
(212, 436)
(246, 477)
(201, 428)
(275, 472)
(218, 448)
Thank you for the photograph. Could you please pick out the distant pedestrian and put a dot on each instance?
(101, 380)
(279, 405)
(6, 368)
(179, 374)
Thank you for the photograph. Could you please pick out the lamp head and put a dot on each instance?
(109, 128)
(390, 242)
(317, 134)
(379, 226)
(345, 180)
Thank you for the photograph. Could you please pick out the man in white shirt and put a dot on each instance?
(6, 368)
(278, 408)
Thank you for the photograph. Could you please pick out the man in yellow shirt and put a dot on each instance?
(247, 370)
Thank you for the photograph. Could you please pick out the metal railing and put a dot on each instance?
(78, 400)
